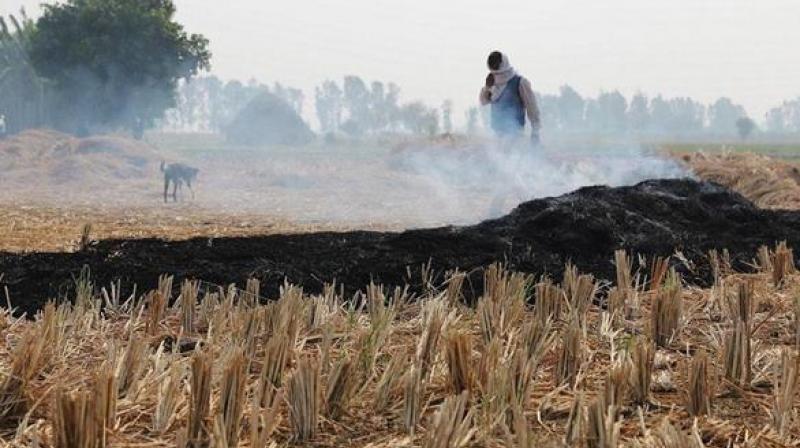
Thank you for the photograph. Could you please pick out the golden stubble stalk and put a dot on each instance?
(433, 322)
(304, 397)
(452, 423)
(130, 365)
(737, 347)
(642, 357)
(571, 354)
(33, 352)
(105, 400)
(232, 395)
(603, 428)
(75, 424)
(389, 384)
(200, 398)
(341, 383)
(169, 395)
(782, 264)
(264, 420)
(156, 306)
(580, 291)
(666, 311)
(658, 271)
(412, 399)
(189, 291)
(458, 354)
(549, 301)
(784, 393)
(700, 393)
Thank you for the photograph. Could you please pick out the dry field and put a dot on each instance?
(768, 182)
(660, 364)
(36, 219)
(646, 362)
(32, 227)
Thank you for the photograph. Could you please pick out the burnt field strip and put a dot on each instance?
(653, 218)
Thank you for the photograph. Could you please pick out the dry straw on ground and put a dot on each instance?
(768, 182)
(216, 367)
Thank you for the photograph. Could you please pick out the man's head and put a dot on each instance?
(495, 60)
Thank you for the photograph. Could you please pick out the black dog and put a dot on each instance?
(178, 173)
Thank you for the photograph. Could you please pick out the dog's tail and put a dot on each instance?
(161, 167)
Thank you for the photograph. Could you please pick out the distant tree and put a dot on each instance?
(392, 105)
(571, 108)
(447, 116)
(115, 63)
(292, 96)
(745, 126)
(357, 102)
(688, 116)
(418, 118)
(233, 97)
(723, 115)
(660, 115)
(24, 95)
(638, 113)
(328, 104)
(613, 108)
(775, 120)
(379, 113)
(549, 109)
(268, 120)
(593, 115)
(784, 118)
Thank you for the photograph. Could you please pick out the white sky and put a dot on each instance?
(436, 49)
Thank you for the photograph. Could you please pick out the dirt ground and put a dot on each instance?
(51, 185)
(511, 400)
(28, 227)
(653, 218)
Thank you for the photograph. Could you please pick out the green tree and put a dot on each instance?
(638, 113)
(745, 126)
(23, 93)
(115, 63)
(328, 103)
(723, 114)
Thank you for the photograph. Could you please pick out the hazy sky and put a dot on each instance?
(744, 49)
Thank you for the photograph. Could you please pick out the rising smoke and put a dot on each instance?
(423, 184)
(489, 180)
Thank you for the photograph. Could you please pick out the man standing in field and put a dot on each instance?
(511, 98)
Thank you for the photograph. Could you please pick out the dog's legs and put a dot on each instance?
(174, 191)
(189, 185)
(166, 187)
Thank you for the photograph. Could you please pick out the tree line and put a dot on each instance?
(97, 65)
(356, 107)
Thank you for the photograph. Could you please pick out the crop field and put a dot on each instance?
(651, 363)
(641, 358)
(788, 150)
(245, 192)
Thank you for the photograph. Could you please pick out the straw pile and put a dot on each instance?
(213, 366)
(768, 182)
(41, 155)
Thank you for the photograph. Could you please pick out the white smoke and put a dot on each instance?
(485, 181)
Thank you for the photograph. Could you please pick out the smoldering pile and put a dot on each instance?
(653, 218)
